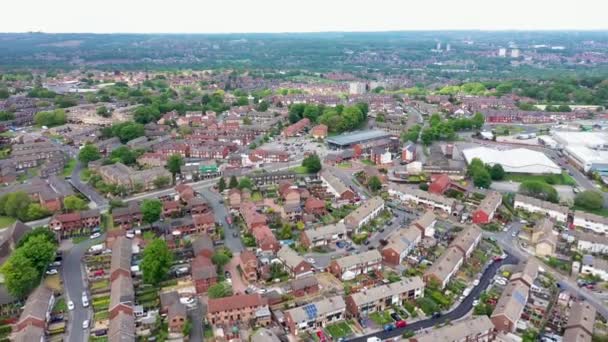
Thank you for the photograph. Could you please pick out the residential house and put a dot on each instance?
(268, 156)
(120, 264)
(544, 238)
(477, 328)
(127, 217)
(122, 296)
(265, 239)
(249, 308)
(591, 243)
(486, 209)
(138, 180)
(336, 187)
(514, 297)
(296, 128)
(294, 263)
(204, 274)
(37, 309)
(323, 235)
(418, 196)
(444, 268)
(30, 333)
(177, 317)
(171, 209)
(305, 286)
(253, 219)
(348, 267)
(77, 223)
(152, 159)
(203, 246)
(581, 322)
(369, 210)
(204, 223)
(383, 297)
(595, 266)
(533, 205)
(400, 244)
(426, 224)
(122, 328)
(249, 265)
(314, 206)
(467, 240)
(264, 335)
(319, 132)
(596, 223)
(315, 315)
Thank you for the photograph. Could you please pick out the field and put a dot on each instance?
(6, 221)
(563, 179)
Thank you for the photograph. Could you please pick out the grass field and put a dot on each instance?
(68, 168)
(563, 179)
(345, 165)
(338, 330)
(6, 221)
(299, 169)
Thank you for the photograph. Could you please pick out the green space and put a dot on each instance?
(101, 284)
(68, 168)
(6, 221)
(338, 330)
(85, 175)
(561, 179)
(101, 315)
(345, 165)
(562, 265)
(427, 305)
(60, 305)
(367, 162)
(381, 318)
(299, 169)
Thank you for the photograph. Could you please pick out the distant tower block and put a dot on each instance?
(502, 52)
(448, 47)
(515, 53)
(438, 46)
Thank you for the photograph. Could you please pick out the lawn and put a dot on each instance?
(6, 221)
(381, 318)
(345, 165)
(60, 305)
(338, 330)
(101, 315)
(85, 174)
(427, 305)
(299, 169)
(104, 283)
(78, 239)
(368, 162)
(563, 179)
(68, 168)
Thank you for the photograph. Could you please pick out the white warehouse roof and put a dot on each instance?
(519, 160)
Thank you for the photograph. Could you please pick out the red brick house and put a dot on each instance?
(249, 265)
(120, 264)
(77, 223)
(176, 317)
(171, 208)
(486, 209)
(204, 223)
(319, 132)
(440, 184)
(128, 216)
(37, 309)
(265, 239)
(204, 273)
(203, 246)
(252, 218)
(294, 263)
(314, 206)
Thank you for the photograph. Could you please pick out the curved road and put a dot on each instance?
(458, 312)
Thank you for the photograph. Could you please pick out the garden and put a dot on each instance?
(338, 330)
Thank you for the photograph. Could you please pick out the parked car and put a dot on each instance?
(476, 302)
(395, 316)
(389, 327)
(95, 235)
(436, 315)
(227, 274)
(321, 336)
(85, 324)
(311, 260)
(366, 242)
(70, 305)
(51, 271)
(400, 324)
(85, 302)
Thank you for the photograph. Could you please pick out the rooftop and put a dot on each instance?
(355, 137)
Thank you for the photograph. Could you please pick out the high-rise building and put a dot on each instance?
(438, 46)
(502, 52)
(356, 88)
(448, 47)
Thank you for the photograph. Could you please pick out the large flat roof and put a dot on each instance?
(355, 137)
(519, 160)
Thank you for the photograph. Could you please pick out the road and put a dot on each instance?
(461, 310)
(74, 281)
(220, 212)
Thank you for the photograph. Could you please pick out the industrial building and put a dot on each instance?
(348, 140)
(519, 160)
(587, 150)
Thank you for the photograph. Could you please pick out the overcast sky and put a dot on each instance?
(218, 16)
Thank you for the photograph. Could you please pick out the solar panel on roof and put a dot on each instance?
(311, 311)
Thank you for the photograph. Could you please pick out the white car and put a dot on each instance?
(85, 302)
(501, 282)
(95, 235)
(262, 291)
(85, 324)
(311, 260)
(51, 271)
(475, 302)
(187, 301)
(476, 282)
(70, 305)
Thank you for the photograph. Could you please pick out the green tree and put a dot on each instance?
(4, 116)
(16, 204)
(285, 232)
(589, 200)
(497, 172)
(40, 250)
(35, 211)
(50, 119)
(220, 259)
(174, 164)
(156, 261)
(162, 181)
(374, 183)
(312, 163)
(427, 136)
(20, 276)
(39, 231)
(412, 133)
(221, 185)
(540, 190)
(4, 94)
(245, 183)
(219, 290)
(74, 203)
(233, 183)
(478, 120)
(151, 209)
(88, 154)
(124, 155)
(103, 111)
(482, 179)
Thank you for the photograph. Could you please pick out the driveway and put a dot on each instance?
(238, 284)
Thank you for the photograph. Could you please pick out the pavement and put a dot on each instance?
(461, 310)
(74, 281)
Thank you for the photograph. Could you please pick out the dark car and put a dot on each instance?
(366, 242)
(395, 316)
(436, 315)
(227, 274)
(350, 249)
(381, 230)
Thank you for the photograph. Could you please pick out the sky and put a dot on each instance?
(245, 16)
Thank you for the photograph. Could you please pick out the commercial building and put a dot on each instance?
(351, 139)
(519, 160)
(349, 267)
(587, 150)
(315, 315)
(383, 297)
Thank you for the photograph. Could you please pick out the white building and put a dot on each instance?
(357, 88)
(406, 194)
(587, 150)
(534, 205)
(591, 243)
(502, 52)
(519, 160)
(595, 266)
(596, 223)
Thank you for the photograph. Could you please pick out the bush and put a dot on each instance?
(540, 190)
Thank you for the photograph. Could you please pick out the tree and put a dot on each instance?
(245, 183)
(427, 136)
(312, 163)
(162, 181)
(88, 154)
(4, 94)
(151, 209)
(219, 290)
(482, 179)
(221, 185)
(540, 190)
(124, 155)
(412, 133)
(187, 327)
(220, 259)
(589, 200)
(174, 164)
(4, 116)
(74, 203)
(16, 204)
(478, 120)
(39, 231)
(50, 119)
(374, 183)
(285, 232)
(497, 172)
(20, 276)
(40, 250)
(103, 111)
(233, 183)
(35, 211)
(156, 262)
